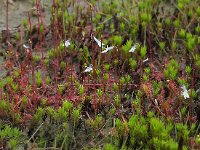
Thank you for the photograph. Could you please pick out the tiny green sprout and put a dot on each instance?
(36, 58)
(197, 29)
(1, 84)
(50, 111)
(81, 90)
(190, 13)
(99, 120)
(159, 25)
(198, 11)
(122, 26)
(61, 88)
(107, 67)
(109, 146)
(116, 62)
(188, 69)
(144, 17)
(41, 28)
(61, 46)
(48, 80)
(3, 105)
(25, 23)
(52, 53)
(147, 70)
(9, 80)
(46, 61)
(127, 46)
(143, 52)
(162, 45)
(117, 100)
(66, 15)
(128, 78)
(16, 73)
(14, 86)
(145, 78)
(168, 21)
(61, 114)
(198, 138)
(76, 115)
(13, 143)
(127, 96)
(60, 12)
(43, 101)
(98, 72)
(112, 111)
(171, 69)
(17, 36)
(139, 93)
(92, 123)
(105, 77)
(188, 36)
(174, 45)
(63, 65)
(38, 78)
(115, 87)
(191, 43)
(150, 114)
(182, 33)
(176, 23)
(122, 80)
(183, 110)
(67, 105)
(180, 5)
(132, 63)
(112, 27)
(117, 40)
(193, 93)
(99, 93)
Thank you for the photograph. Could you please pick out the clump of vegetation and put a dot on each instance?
(105, 74)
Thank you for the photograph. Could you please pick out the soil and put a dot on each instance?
(17, 12)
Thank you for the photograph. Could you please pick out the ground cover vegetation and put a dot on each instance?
(105, 74)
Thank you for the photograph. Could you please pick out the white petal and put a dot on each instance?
(156, 102)
(145, 60)
(88, 69)
(25, 46)
(67, 43)
(107, 49)
(132, 49)
(98, 42)
(185, 92)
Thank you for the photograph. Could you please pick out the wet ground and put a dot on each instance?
(17, 12)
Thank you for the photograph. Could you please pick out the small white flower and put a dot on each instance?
(107, 49)
(132, 49)
(67, 43)
(145, 60)
(156, 102)
(25, 46)
(98, 42)
(185, 92)
(88, 69)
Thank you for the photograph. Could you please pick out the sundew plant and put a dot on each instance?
(102, 74)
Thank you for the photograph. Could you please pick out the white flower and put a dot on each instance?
(107, 49)
(145, 60)
(185, 92)
(98, 42)
(25, 46)
(156, 102)
(132, 49)
(67, 43)
(88, 69)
